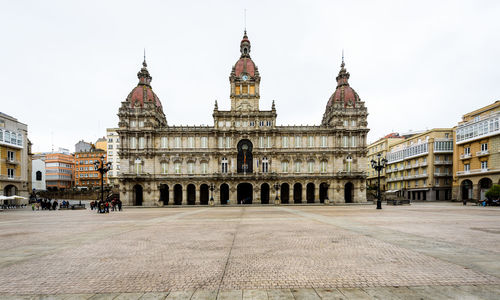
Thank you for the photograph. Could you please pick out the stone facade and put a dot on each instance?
(245, 157)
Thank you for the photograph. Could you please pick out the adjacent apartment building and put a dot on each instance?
(113, 157)
(15, 157)
(85, 174)
(421, 165)
(60, 170)
(476, 156)
(374, 149)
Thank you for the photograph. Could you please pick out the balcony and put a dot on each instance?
(441, 174)
(408, 167)
(416, 165)
(465, 156)
(12, 161)
(442, 162)
(477, 171)
(482, 153)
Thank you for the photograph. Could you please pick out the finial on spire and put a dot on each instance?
(343, 64)
(144, 62)
(245, 21)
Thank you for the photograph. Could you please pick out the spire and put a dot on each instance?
(143, 74)
(245, 45)
(343, 77)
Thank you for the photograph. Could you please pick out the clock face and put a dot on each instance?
(244, 77)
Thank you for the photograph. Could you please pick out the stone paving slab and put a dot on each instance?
(290, 252)
(370, 293)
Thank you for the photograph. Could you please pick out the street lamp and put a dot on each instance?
(212, 187)
(277, 200)
(102, 168)
(379, 165)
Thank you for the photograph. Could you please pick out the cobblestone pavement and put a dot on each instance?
(423, 251)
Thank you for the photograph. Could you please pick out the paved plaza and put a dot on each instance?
(422, 251)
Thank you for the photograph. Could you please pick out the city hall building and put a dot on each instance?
(245, 157)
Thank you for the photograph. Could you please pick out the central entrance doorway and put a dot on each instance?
(245, 193)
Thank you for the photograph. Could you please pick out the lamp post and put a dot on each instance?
(379, 165)
(277, 200)
(212, 187)
(102, 168)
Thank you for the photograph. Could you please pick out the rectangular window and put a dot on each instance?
(10, 173)
(141, 123)
(353, 123)
(437, 181)
(297, 167)
(268, 142)
(221, 142)
(261, 142)
(110, 146)
(466, 167)
(310, 166)
(164, 142)
(224, 165)
(310, 143)
(484, 147)
(323, 167)
(467, 150)
(345, 141)
(284, 167)
(284, 142)
(10, 155)
(484, 165)
(177, 168)
(353, 141)
(190, 168)
(204, 142)
(323, 141)
(204, 168)
(133, 143)
(298, 141)
(141, 142)
(177, 142)
(164, 168)
(228, 142)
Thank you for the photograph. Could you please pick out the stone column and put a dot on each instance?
(185, 196)
(316, 192)
(171, 195)
(197, 195)
(232, 196)
(256, 196)
(216, 195)
(331, 194)
(304, 192)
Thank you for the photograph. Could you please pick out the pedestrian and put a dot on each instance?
(465, 201)
(119, 205)
(54, 205)
(33, 207)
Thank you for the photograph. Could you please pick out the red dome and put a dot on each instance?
(344, 93)
(143, 93)
(244, 65)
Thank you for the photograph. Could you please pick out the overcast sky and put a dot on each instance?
(67, 65)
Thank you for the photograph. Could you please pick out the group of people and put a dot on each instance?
(104, 206)
(44, 204)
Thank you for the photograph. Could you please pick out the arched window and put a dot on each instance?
(138, 166)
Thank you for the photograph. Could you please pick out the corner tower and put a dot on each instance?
(245, 80)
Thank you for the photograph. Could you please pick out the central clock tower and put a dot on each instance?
(245, 81)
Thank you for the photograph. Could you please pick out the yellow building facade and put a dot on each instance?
(476, 160)
(420, 167)
(15, 159)
(374, 149)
